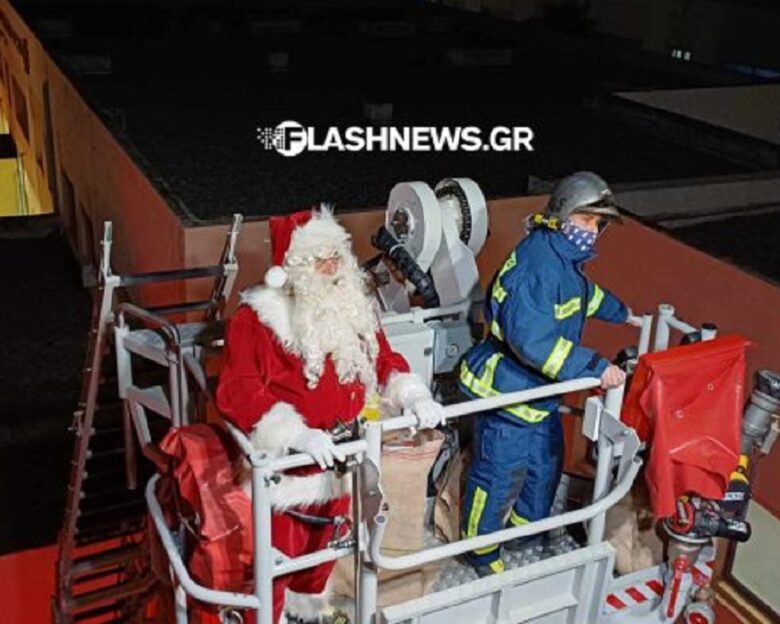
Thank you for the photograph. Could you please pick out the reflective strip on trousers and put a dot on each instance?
(565, 310)
(516, 519)
(595, 300)
(557, 357)
(483, 388)
(475, 515)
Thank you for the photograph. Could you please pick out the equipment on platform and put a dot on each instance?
(442, 231)
(431, 237)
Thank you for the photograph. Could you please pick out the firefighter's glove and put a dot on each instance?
(318, 444)
(429, 413)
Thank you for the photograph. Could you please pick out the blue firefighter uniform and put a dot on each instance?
(536, 310)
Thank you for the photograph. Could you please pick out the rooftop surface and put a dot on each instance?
(749, 109)
(190, 90)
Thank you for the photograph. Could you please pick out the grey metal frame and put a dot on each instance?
(268, 563)
(668, 321)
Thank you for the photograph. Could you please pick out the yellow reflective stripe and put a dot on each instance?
(744, 460)
(565, 310)
(557, 357)
(497, 566)
(477, 507)
(499, 294)
(595, 300)
(496, 330)
(738, 476)
(517, 519)
(486, 550)
(510, 263)
(483, 387)
(528, 414)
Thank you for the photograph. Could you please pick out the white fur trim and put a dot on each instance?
(404, 389)
(276, 430)
(273, 307)
(314, 489)
(274, 433)
(275, 277)
(319, 235)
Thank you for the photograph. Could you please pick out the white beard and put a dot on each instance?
(333, 315)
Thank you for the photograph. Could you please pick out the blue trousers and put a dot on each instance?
(515, 471)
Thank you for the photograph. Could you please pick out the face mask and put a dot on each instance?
(583, 239)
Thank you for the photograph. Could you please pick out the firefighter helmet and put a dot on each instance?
(583, 191)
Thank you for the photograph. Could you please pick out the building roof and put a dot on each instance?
(189, 89)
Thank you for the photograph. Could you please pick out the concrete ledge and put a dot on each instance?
(690, 132)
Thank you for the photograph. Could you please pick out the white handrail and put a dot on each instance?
(198, 592)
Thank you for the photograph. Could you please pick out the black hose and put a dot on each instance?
(386, 242)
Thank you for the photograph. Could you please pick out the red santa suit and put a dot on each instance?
(267, 390)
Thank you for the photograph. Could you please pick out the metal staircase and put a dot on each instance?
(103, 571)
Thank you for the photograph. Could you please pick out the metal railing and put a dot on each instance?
(268, 563)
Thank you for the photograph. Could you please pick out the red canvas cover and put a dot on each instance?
(686, 403)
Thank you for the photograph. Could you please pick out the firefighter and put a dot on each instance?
(536, 310)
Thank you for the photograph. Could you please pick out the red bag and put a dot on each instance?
(686, 403)
(206, 466)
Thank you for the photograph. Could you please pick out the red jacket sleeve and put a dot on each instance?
(388, 361)
(242, 393)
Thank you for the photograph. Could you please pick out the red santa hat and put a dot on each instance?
(300, 238)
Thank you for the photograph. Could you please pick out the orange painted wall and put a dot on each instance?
(109, 186)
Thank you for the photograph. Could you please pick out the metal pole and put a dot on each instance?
(369, 584)
(613, 404)
(600, 486)
(263, 563)
(173, 384)
(180, 597)
(665, 312)
(644, 335)
(359, 534)
(709, 332)
(681, 326)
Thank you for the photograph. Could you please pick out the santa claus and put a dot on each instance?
(303, 352)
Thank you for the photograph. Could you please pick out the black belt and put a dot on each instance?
(315, 520)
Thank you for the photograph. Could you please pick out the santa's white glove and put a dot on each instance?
(319, 445)
(429, 412)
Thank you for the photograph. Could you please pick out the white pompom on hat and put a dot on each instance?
(275, 277)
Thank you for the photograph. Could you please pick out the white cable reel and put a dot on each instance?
(462, 200)
(414, 218)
